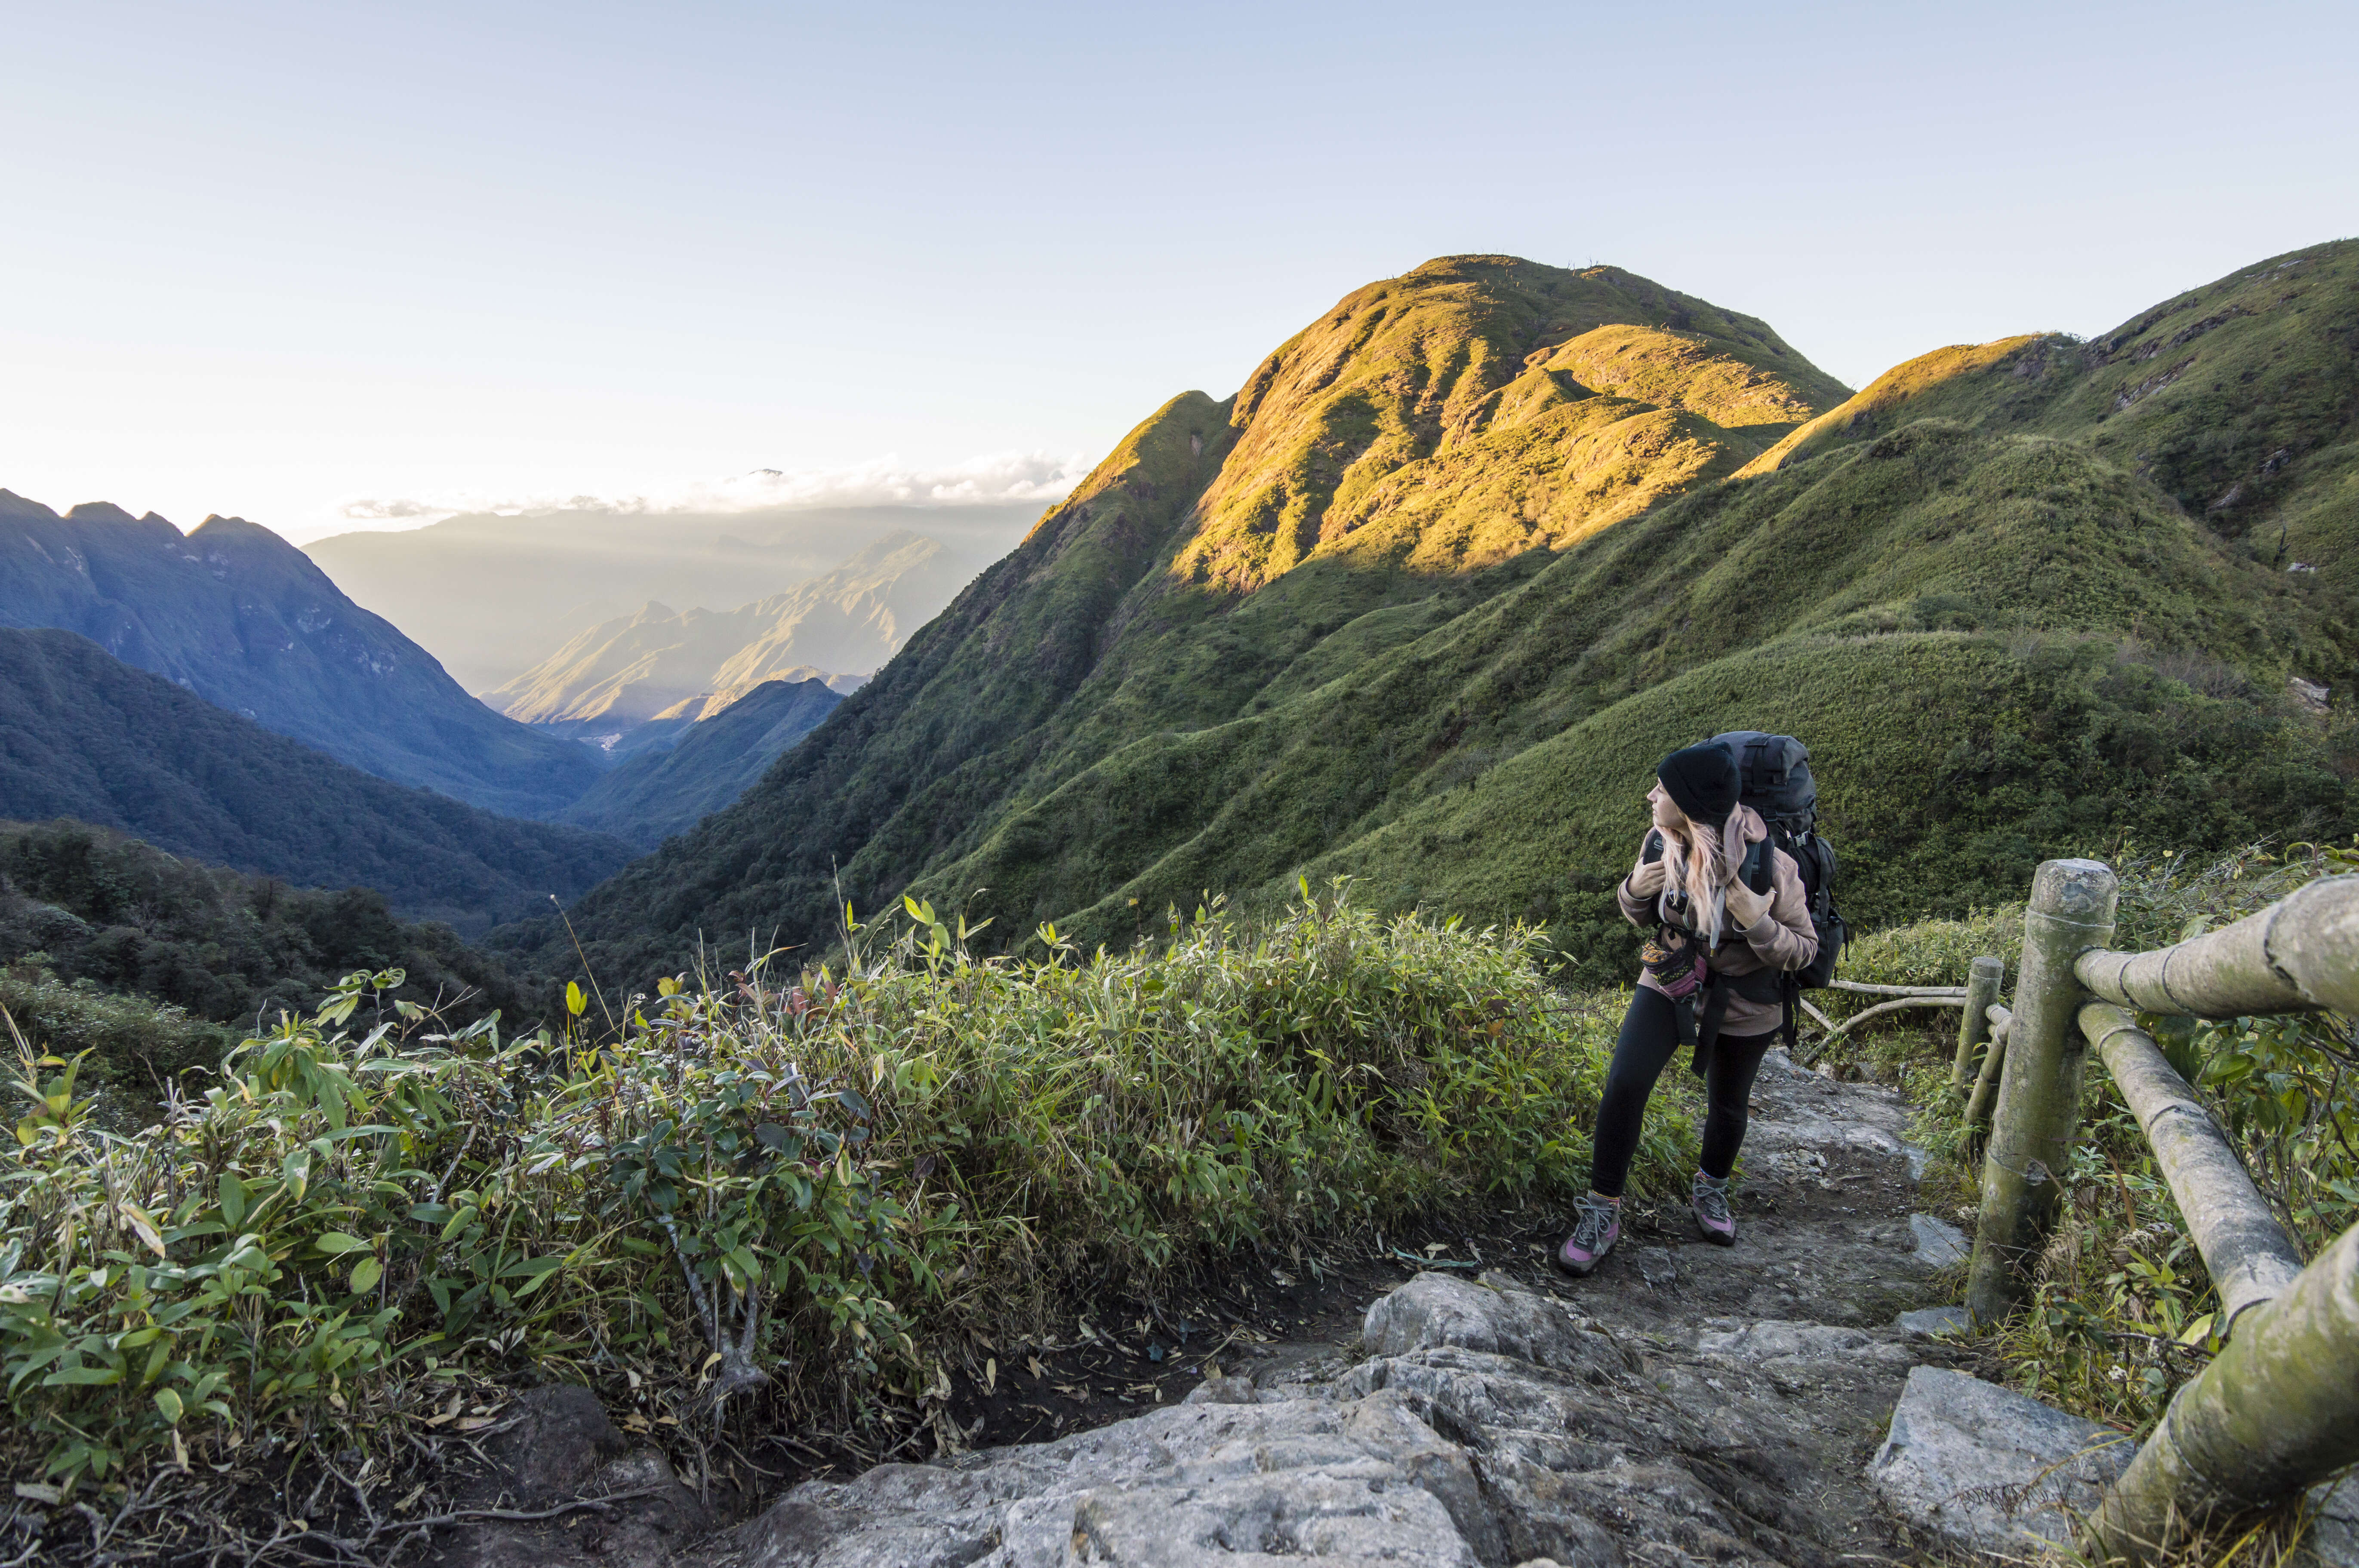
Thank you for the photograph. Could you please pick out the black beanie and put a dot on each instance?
(1701, 782)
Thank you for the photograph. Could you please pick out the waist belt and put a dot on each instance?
(1699, 1017)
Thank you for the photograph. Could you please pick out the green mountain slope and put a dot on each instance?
(242, 617)
(85, 736)
(1356, 622)
(661, 792)
(2239, 400)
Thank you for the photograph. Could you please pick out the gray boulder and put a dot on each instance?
(1988, 1469)
(1938, 1243)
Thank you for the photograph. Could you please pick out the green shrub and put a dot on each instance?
(1936, 952)
(139, 1045)
(815, 1191)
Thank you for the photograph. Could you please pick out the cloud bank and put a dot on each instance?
(1036, 477)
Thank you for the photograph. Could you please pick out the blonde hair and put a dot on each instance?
(1694, 860)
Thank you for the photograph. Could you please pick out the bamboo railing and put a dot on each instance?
(2277, 1412)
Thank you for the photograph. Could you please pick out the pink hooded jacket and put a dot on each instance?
(1783, 938)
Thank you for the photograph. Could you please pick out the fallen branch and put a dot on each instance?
(1857, 1019)
(468, 1516)
(1864, 988)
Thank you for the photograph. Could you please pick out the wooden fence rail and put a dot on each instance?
(2277, 1412)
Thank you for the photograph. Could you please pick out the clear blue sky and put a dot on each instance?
(274, 258)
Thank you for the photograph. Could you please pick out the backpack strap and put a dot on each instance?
(1755, 869)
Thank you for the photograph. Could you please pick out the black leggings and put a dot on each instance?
(1650, 1034)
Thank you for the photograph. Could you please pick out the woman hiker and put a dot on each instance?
(1714, 980)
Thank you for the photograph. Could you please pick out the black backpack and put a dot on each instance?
(1773, 778)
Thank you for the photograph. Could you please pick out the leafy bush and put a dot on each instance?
(141, 1042)
(1936, 952)
(814, 1189)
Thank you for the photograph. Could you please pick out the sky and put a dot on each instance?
(339, 266)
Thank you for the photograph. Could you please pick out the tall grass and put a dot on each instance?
(805, 1193)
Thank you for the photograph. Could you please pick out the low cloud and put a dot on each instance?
(1000, 477)
(389, 510)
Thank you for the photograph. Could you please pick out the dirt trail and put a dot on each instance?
(1791, 1330)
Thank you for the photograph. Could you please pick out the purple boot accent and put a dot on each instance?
(1593, 1235)
(1710, 1202)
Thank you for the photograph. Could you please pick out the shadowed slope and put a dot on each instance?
(659, 793)
(84, 735)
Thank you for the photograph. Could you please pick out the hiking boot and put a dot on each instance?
(1593, 1235)
(1710, 1202)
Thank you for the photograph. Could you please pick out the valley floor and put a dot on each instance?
(1693, 1404)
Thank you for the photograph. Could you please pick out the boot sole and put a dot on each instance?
(1580, 1271)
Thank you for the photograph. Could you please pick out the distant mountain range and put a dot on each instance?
(493, 595)
(85, 736)
(242, 619)
(1425, 601)
(659, 665)
(665, 788)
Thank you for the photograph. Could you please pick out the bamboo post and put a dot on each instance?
(1974, 1030)
(2276, 1413)
(2251, 1259)
(1978, 1107)
(2071, 911)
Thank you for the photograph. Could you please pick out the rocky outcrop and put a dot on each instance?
(1488, 1425)
(1988, 1469)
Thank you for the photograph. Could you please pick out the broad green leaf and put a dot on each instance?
(168, 1401)
(336, 1242)
(366, 1274)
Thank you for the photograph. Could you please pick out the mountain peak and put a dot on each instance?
(1477, 406)
(105, 514)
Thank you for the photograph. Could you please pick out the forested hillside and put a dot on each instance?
(88, 916)
(1425, 599)
(663, 791)
(85, 736)
(242, 617)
